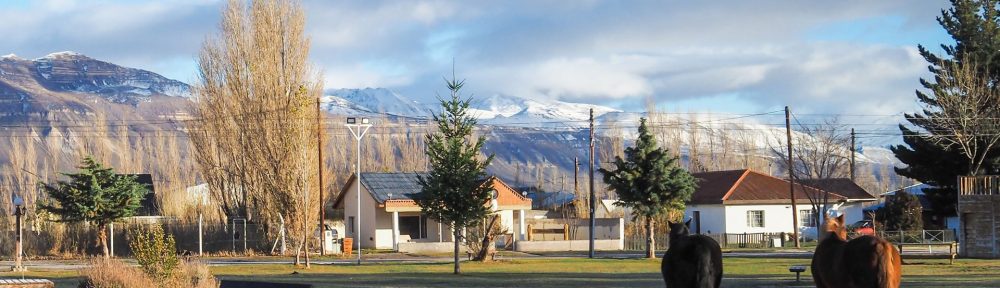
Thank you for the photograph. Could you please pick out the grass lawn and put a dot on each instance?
(573, 272)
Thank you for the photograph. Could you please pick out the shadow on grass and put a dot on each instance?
(470, 279)
(483, 279)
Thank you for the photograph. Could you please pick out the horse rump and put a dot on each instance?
(872, 262)
(696, 261)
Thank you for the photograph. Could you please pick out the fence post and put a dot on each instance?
(111, 237)
(621, 232)
(565, 231)
(200, 233)
(529, 232)
(245, 238)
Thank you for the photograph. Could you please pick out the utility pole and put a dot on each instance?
(791, 178)
(853, 151)
(592, 197)
(319, 150)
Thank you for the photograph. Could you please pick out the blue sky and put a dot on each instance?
(846, 57)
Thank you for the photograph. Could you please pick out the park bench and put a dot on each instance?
(952, 250)
(26, 283)
(798, 269)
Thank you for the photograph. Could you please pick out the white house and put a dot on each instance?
(390, 219)
(745, 201)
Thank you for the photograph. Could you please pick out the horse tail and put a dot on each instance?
(888, 264)
(705, 270)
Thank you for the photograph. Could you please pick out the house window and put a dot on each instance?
(755, 218)
(350, 224)
(807, 218)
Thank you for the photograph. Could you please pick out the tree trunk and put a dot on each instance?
(650, 240)
(298, 255)
(458, 268)
(102, 239)
(486, 247)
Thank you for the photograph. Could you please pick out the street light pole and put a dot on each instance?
(18, 212)
(351, 125)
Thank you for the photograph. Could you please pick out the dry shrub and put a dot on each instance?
(113, 273)
(117, 274)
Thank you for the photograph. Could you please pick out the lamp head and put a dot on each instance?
(351, 120)
(16, 200)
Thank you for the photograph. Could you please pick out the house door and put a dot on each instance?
(697, 222)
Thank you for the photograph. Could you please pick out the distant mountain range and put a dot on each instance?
(68, 87)
(495, 110)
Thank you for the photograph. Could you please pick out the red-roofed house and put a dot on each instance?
(745, 201)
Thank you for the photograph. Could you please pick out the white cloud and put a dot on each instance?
(605, 52)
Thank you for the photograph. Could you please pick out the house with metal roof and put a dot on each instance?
(390, 219)
(746, 201)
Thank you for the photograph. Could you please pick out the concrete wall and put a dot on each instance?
(429, 247)
(579, 229)
(980, 228)
(568, 245)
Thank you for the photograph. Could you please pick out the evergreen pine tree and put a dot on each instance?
(903, 212)
(455, 191)
(95, 194)
(975, 27)
(650, 182)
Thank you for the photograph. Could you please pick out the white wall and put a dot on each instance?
(383, 228)
(507, 220)
(713, 217)
(367, 216)
(777, 218)
(853, 212)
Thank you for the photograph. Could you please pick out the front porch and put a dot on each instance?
(403, 228)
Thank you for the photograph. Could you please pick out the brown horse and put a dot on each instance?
(866, 261)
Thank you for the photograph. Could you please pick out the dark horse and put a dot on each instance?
(691, 260)
(866, 261)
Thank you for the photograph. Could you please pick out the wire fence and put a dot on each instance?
(234, 237)
(637, 242)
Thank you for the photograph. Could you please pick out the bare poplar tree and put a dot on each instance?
(964, 112)
(820, 150)
(253, 130)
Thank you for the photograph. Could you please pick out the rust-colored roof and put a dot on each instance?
(750, 187)
(842, 186)
(507, 195)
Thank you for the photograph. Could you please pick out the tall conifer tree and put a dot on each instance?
(455, 191)
(975, 27)
(650, 182)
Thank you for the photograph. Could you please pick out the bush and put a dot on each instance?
(154, 251)
(117, 274)
(113, 273)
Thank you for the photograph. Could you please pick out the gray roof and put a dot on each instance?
(399, 185)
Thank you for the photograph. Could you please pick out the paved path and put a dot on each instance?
(404, 258)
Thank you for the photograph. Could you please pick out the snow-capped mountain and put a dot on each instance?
(74, 72)
(373, 101)
(495, 110)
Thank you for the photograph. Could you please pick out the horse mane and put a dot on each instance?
(835, 226)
